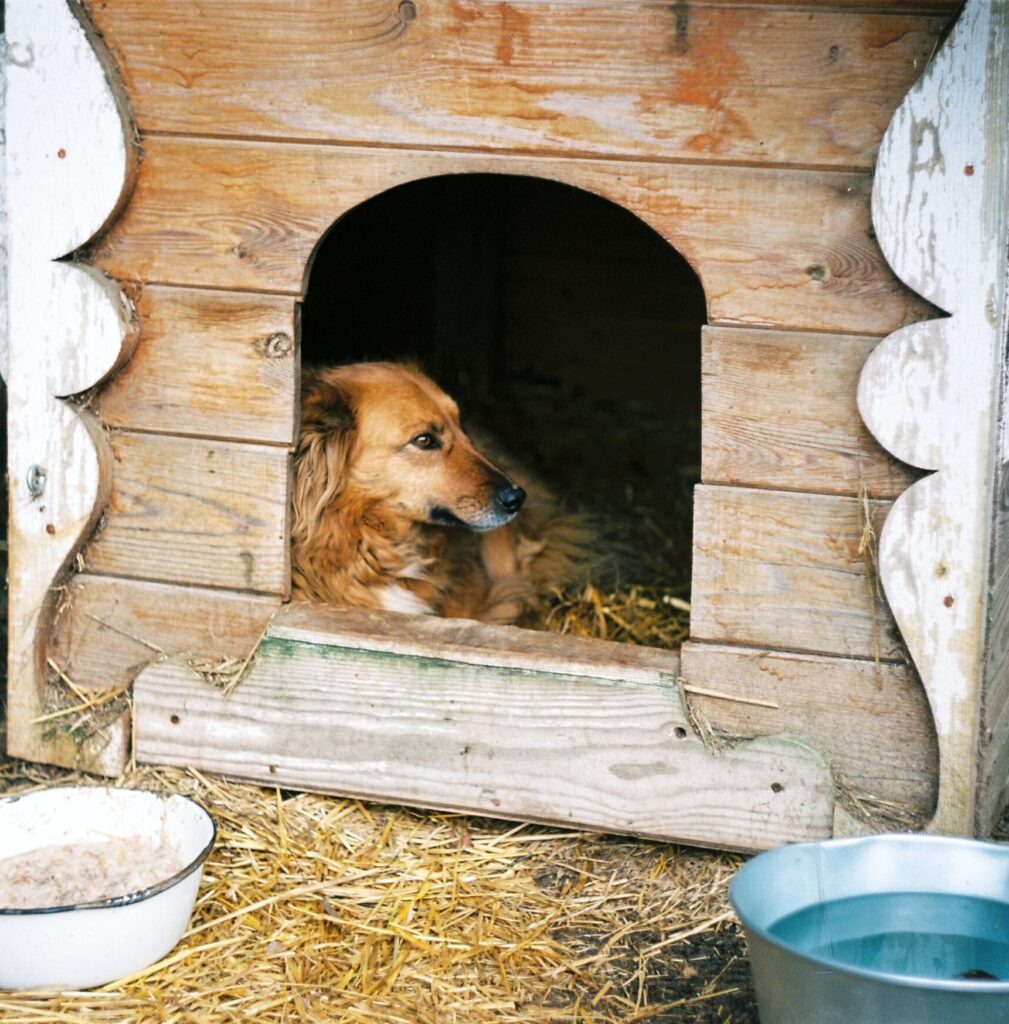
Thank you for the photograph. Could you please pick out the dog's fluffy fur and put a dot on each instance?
(395, 508)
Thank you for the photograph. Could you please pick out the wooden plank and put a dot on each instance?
(110, 627)
(993, 767)
(872, 724)
(209, 363)
(930, 393)
(779, 412)
(187, 510)
(776, 247)
(993, 795)
(69, 168)
(474, 643)
(783, 570)
(507, 742)
(701, 82)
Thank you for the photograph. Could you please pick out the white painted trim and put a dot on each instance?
(69, 168)
(929, 392)
(4, 328)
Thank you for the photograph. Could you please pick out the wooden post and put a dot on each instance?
(69, 167)
(930, 391)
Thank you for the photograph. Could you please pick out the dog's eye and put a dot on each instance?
(425, 441)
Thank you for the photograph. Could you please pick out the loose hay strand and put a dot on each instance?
(703, 691)
(868, 548)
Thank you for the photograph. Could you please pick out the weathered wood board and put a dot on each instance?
(187, 510)
(783, 570)
(562, 748)
(111, 627)
(993, 767)
(473, 643)
(871, 723)
(660, 81)
(255, 212)
(993, 795)
(210, 364)
(779, 412)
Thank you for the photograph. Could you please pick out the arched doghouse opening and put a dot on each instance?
(566, 327)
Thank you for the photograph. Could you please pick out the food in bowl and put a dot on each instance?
(60, 876)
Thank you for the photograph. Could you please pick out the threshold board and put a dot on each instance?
(489, 720)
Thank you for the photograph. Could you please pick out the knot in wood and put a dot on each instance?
(274, 346)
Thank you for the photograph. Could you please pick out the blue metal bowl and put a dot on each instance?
(878, 930)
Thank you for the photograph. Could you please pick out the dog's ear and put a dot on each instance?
(324, 447)
(325, 404)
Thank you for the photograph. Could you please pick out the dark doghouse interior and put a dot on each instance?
(564, 325)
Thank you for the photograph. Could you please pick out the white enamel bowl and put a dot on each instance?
(90, 944)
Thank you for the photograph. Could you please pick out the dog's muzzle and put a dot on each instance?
(507, 500)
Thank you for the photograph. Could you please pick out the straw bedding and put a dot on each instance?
(315, 908)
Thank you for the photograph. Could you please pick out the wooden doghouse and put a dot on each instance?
(190, 156)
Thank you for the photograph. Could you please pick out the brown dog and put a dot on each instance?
(395, 508)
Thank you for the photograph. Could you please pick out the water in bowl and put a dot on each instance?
(917, 934)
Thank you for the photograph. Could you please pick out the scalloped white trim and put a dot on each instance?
(929, 392)
(68, 171)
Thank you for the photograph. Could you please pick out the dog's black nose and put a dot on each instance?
(510, 499)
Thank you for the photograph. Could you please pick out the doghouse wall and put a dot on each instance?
(744, 134)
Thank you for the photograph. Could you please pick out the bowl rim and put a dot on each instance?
(137, 895)
(916, 981)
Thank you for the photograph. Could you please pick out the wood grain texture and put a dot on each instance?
(872, 725)
(208, 363)
(993, 769)
(69, 168)
(993, 792)
(783, 570)
(474, 643)
(186, 510)
(255, 212)
(110, 627)
(930, 393)
(779, 412)
(643, 79)
(506, 742)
